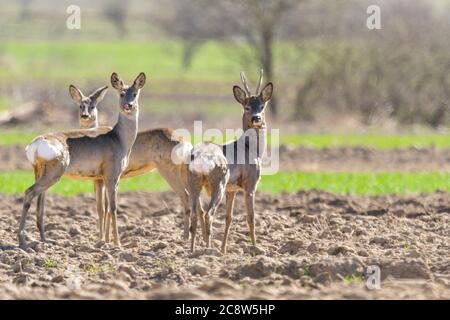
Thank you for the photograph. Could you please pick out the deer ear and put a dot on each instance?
(266, 93)
(99, 94)
(76, 94)
(140, 80)
(116, 82)
(239, 95)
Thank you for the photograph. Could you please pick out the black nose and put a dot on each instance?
(256, 119)
(84, 116)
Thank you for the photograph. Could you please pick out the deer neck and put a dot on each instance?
(89, 124)
(256, 138)
(126, 129)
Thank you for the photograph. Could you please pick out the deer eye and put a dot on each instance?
(122, 95)
(134, 95)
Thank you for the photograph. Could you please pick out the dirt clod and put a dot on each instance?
(198, 269)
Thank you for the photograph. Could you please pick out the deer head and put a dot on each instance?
(88, 113)
(254, 105)
(129, 95)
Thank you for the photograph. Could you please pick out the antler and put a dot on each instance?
(244, 82)
(261, 74)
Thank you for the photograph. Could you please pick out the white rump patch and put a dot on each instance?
(42, 148)
(207, 156)
(181, 153)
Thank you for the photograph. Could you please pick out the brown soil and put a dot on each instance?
(307, 242)
(313, 160)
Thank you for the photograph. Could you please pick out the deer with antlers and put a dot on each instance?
(85, 154)
(244, 154)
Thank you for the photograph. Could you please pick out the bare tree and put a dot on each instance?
(259, 22)
(402, 74)
(192, 22)
(116, 11)
(25, 9)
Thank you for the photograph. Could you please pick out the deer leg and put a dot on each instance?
(187, 216)
(201, 214)
(230, 205)
(107, 226)
(250, 204)
(111, 191)
(40, 207)
(40, 215)
(194, 213)
(106, 216)
(105, 201)
(195, 188)
(182, 178)
(183, 181)
(175, 182)
(49, 177)
(216, 197)
(98, 187)
(30, 193)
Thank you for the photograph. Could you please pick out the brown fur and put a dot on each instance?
(214, 182)
(151, 150)
(245, 177)
(91, 154)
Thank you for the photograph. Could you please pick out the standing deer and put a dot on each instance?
(86, 154)
(88, 119)
(208, 169)
(244, 154)
(153, 149)
(88, 114)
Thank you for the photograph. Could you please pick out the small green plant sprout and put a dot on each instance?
(305, 271)
(98, 268)
(93, 268)
(49, 263)
(351, 278)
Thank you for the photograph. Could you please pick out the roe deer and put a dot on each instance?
(244, 154)
(153, 149)
(208, 169)
(88, 114)
(86, 154)
(88, 117)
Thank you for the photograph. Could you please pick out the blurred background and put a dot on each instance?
(331, 73)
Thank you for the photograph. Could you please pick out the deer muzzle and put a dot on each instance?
(256, 119)
(127, 107)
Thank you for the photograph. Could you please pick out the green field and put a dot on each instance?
(68, 60)
(12, 137)
(319, 141)
(376, 141)
(171, 87)
(91, 60)
(343, 183)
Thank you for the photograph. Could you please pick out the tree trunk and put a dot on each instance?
(25, 9)
(267, 62)
(189, 49)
